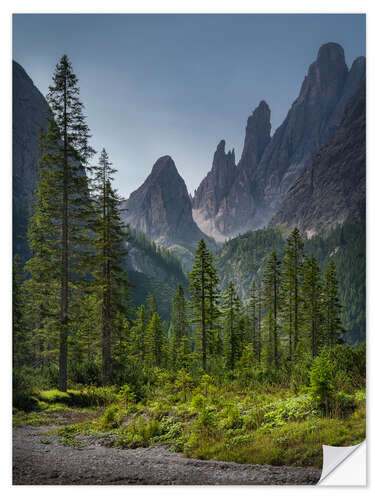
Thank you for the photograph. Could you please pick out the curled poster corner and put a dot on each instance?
(344, 465)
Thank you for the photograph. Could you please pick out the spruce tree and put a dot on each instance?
(183, 356)
(231, 313)
(332, 327)
(271, 299)
(200, 283)
(108, 233)
(42, 289)
(312, 300)
(179, 323)
(213, 311)
(151, 305)
(61, 205)
(138, 335)
(253, 321)
(292, 277)
(156, 343)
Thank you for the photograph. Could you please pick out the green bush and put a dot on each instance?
(321, 382)
(198, 401)
(111, 418)
(85, 373)
(343, 404)
(126, 395)
(170, 429)
(139, 433)
(24, 390)
(93, 396)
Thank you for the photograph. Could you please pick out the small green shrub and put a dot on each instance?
(126, 395)
(111, 418)
(24, 390)
(139, 433)
(170, 429)
(198, 401)
(93, 396)
(343, 404)
(321, 382)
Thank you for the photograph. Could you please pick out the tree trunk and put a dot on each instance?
(203, 319)
(106, 330)
(63, 355)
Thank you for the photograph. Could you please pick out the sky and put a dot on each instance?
(161, 84)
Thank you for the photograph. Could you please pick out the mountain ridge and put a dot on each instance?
(256, 192)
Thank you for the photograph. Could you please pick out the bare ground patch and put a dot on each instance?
(38, 459)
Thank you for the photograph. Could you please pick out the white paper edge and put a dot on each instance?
(344, 465)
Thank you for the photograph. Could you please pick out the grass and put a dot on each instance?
(229, 422)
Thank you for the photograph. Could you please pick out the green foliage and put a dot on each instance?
(321, 382)
(162, 256)
(126, 395)
(204, 293)
(24, 390)
(111, 418)
(139, 433)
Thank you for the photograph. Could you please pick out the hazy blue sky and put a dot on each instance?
(178, 84)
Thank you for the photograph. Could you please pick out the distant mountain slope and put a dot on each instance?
(29, 115)
(332, 189)
(242, 260)
(152, 269)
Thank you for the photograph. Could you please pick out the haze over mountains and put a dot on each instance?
(273, 173)
(234, 198)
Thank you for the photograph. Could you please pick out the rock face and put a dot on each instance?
(332, 189)
(209, 196)
(29, 115)
(161, 208)
(223, 201)
(269, 167)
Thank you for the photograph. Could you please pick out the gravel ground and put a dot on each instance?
(53, 463)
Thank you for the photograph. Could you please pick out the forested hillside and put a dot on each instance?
(152, 270)
(242, 260)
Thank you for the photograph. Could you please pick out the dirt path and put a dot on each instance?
(53, 463)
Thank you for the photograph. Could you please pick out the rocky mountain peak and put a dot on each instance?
(161, 208)
(223, 160)
(164, 166)
(331, 53)
(218, 181)
(257, 135)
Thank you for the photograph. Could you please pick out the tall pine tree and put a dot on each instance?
(108, 234)
(62, 196)
(292, 277)
(312, 299)
(179, 324)
(332, 327)
(231, 312)
(200, 286)
(271, 299)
